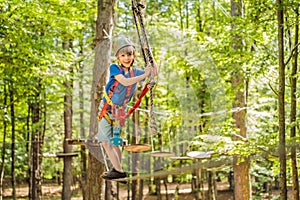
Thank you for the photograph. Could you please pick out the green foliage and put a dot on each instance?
(193, 44)
(34, 61)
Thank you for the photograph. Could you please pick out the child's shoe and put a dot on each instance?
(114, 174)
(112, 169)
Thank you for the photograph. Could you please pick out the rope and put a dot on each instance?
(153, 125)
(209, 164)
(137, 8)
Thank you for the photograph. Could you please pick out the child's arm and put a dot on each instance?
(130, 81)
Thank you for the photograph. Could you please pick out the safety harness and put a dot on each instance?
(118, 112)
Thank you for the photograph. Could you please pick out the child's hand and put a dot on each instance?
(148, 70)
(154, 69)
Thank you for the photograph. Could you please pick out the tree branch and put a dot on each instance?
(291, 55)
(275, 92)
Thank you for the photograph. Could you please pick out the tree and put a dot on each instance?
(34, 64)
(241, 165)
(36, 145)
(83, 162)
(12, 111)
(4, 139)
(102, 42)
(281, 95)
(293, 114)
(68, 114)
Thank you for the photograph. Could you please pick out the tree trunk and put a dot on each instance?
(293, 114)
(67, 176)
(4, 139)
(36, 171)
(28, 147)
(241, 167)
(94, 181)
(281, 107)
(186, 5)
(180, 13)
(197, 179)
(12, 111)
(212, 185)
(199, 20)
(83, 160)
(158, 187)
(104, 26)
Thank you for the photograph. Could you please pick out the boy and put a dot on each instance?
(120, 94)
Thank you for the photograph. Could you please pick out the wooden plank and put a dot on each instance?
(71, 154)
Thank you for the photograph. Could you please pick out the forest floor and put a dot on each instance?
(53, 192)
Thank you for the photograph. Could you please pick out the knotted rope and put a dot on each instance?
(152, 124)
(137, 8)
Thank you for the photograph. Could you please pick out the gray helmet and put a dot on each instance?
(120, 43)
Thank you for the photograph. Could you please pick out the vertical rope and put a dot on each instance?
(138, 18)
(153, 125)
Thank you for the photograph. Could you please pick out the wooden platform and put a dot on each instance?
(82, 142)
(59, 155)
(137, 148)
(162, 154)
(71, 154)
(200, 154)
(181, 158)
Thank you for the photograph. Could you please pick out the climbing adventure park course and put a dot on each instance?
(154, 100)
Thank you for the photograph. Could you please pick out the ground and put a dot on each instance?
(53, 192)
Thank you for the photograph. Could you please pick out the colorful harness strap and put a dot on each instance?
(121, 115)
(117, 112)
(104, 108)
(138, 102)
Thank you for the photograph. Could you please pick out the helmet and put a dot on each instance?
(120, 43)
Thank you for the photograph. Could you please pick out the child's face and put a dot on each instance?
(126, 59)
